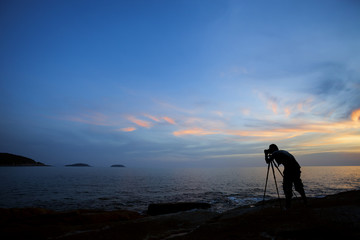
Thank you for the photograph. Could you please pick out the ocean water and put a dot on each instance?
(67, 188)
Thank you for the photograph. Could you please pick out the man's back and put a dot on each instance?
(285, 158)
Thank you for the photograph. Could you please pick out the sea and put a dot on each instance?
(113, 188)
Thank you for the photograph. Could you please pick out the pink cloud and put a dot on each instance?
(139, 122)
(152, 117)
(169, 120)
(129, 129)
(156, 119)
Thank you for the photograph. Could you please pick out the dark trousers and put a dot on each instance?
(291, 178)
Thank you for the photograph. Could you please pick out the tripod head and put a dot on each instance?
(267, 153)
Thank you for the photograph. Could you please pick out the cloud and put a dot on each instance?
(152, 117)
(291, 122)
(337, 87)
(93, 118)
(355, 115)
(128, 129)
(194, 131)
(169, 120)
(139, 122)
(348, 140)
(208, 123)
(301, 130)
(273, 106)
(271, 101)
(165, 118)
(304, 105)
(171, 107)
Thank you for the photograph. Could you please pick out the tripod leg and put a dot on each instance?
(277, 167)
(277, 189)
(267, 176)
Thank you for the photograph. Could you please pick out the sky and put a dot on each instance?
(171, 83)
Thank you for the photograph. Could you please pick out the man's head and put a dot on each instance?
(273, 148)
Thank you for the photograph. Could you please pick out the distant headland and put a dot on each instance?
(78, 165)
(8, 159)
(117, 165)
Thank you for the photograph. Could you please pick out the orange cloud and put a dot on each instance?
(129, 129)
(345, 140)
(277, 133)
(139, 122)
(266, 134)
(194, 131)
(355, 115)
(169, 120)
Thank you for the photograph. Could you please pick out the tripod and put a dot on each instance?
(267, 176)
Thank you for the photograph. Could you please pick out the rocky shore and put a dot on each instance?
(333, 217)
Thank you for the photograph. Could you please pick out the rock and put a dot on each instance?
(117, 165)
(38, 223)
(165, 208)
(332, 217)
(7, 159)
(78, 165)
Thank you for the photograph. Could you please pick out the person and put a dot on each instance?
(291, 173)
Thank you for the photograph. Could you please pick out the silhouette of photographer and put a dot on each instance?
(291, 174)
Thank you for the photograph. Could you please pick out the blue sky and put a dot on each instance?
(180, 83)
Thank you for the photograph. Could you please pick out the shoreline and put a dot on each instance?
(333, 214)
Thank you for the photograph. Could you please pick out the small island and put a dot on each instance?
(78, 165)
(8, 159)
(117, 165)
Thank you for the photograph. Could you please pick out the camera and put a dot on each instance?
(266, 151)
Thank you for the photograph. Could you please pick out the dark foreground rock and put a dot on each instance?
(333, 217)
(8, 159)
(165, 208)
(38, 223)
